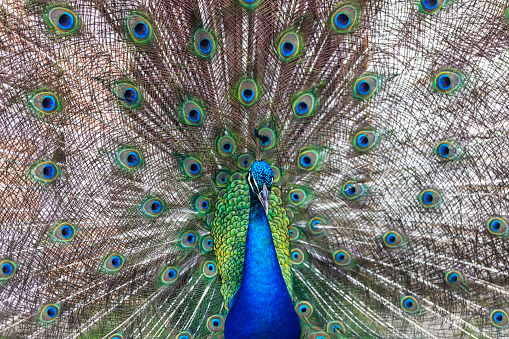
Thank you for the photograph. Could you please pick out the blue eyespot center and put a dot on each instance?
(194, 168)
(156, 207)
(295, 255)
(498, 317)
(427, 198)
(216, 323)
(130, 96)
(66, 231)
(453, 277)
(194, 115)
(209, 242)
(430, 4)
(350, 190)
(65, 21)
(51, 312)
(340, 257)
(133, 159)
(172, 273)
(247, 95)
(302, 107)
(362, 140)
(205, 46)
(223, 179)
(184, 337)
(287, 48)
(190, 238)
(48, 103)
(295, 197)
(495, 225)
(227, 147)
(342, 20)
(7, 269)
(265, 140)
(115, 261)
(443, 150)
(336, 328)
(211, 267)
(305, 161)
(205, 204)
(444, 82)
(48, 171)
(141, 30)
(291, 232)
(409, 303)
(303, 309)
(391, 238)
(363, 87)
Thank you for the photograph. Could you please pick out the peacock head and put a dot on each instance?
(260, 178)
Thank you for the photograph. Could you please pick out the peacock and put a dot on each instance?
(272, 169)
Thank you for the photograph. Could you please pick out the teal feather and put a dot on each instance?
(127, 143)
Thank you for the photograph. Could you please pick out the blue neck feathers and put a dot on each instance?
(262, 307)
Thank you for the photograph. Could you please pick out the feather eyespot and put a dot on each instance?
(202, 204)
(215, 323)
(222, 178)
(183, 335)
(129, 95)
(410, 304)
(153, 207)
(430, 198)
(290, 214)
(393, 239)
(431, 6)
(129, 159)
(290, 46)
(335, 327)
(64, 232)
(342, 258)
(297, 256)
(112, 263)
(267, 138)
(353, 190)
(116, 336)
(209, 269)
(304, 105)
(192, 167)
(207, 244)
(497, 226)
(345, 18)
(209, 219)
(308, 160)
(297, 196)
(169, 275)
(244, 161)
(188, 240)
(448, 150)
(249, 4)
(364, 140)
(248, 92)
(140, 29)
(7, 270)
(192, 113)
(499, 318)
(204, 43)
(315, 225)
(44, 172)
(49, 313)
(226, 146)
(63, 20)
(365, 87)
(304, 309)
(447, 82)
(454, 278)
(294, 233)
(45, 103)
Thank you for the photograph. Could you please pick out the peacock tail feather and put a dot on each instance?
(128, 130)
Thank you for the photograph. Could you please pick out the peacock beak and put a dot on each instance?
(264, 197)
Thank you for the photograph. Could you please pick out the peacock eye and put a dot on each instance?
(499, 318)
(244, 161)
(497, 226)
(365, 87)
(209, 269)
(344, 19)
(430, 6)
(215, 323)
(49, 313)
(63, 20)
(409, 304)
(267, 138)
(169, 275)
(183, 335)
(226, 146)
(365, 140)
(129, 159)
(249, 4)
(153, 207)
(202, 204)
(204, 43)
(304, 105)
(188, 239)
(192, 167)
(248, 92)
(45, 103)
(116, 336)
(294, 233)
(430, 198)
(7, 270)
(315, 225)
(393, 239)
(304, 309)
(44, 172)
(342, 258)
(64, 232)
(297, 196)
(276, 172)
(307, 160)
(447, 82)
(335, 327)
(129, 95)
(207, 243)
(192, 113)
(112, 263)
(290, 46)
(453, 278)
(222, 178)
(297, 256)
(448, 150)
(140, 29)
(353, 190)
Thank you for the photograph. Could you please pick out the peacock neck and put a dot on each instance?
(262, 307)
